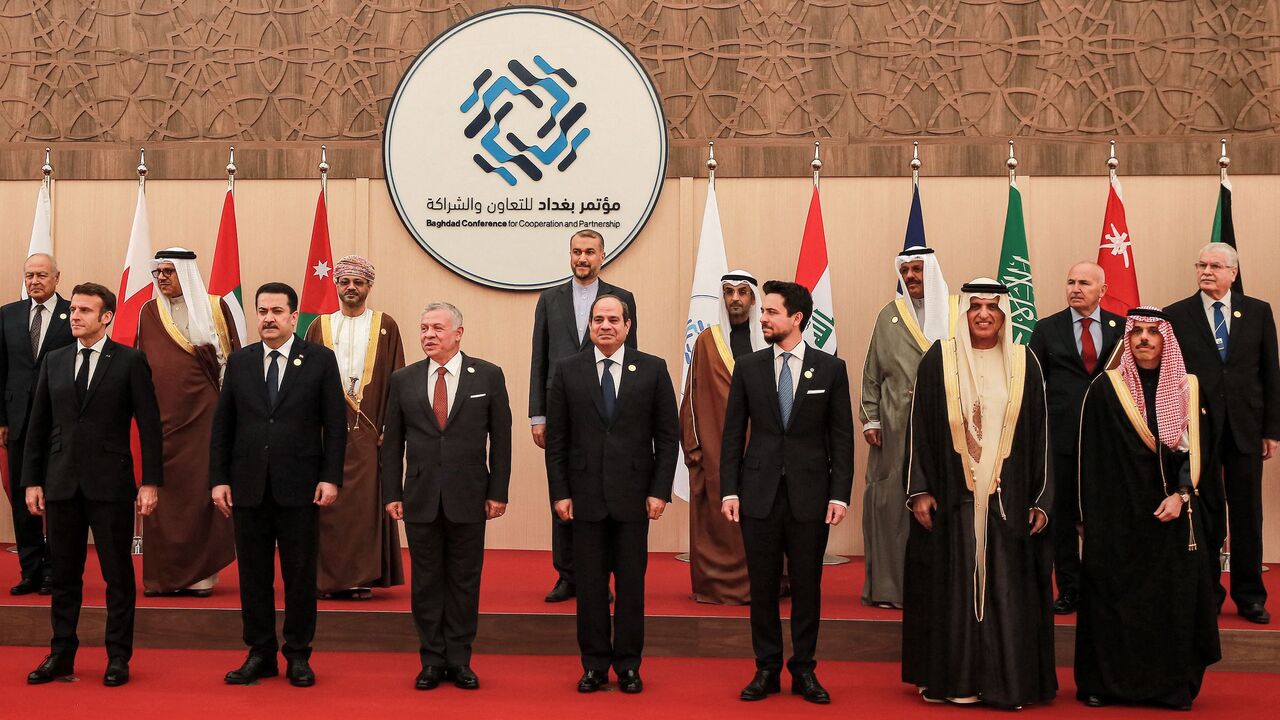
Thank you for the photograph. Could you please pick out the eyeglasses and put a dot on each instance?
(163, 272)
(1216, 267)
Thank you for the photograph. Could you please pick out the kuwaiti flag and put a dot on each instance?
(1115, 255)
(704, 303)
(319, 294)
(1224, 228)
(41, 228)
(814, 272)
(135, 281)
(224, 280)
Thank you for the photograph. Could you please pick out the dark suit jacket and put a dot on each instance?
(610, 468)
(555, 337)
(1246, 388)
(87, 446)
(815, 449)
(1054, 343)
(18, 370)
(299, 443)
(447, 467)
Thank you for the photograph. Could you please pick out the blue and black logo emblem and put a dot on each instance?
(494, 106)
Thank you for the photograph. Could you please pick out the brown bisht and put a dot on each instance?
(1005, 658)
(186, 539)
(359, 544)
(717, 560)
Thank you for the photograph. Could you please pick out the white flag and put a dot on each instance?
(42, 228)
(704, 304)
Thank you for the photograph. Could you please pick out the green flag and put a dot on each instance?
(1224, 229)
(1015, 269)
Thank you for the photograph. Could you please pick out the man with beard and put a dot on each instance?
(906, 328)
(976, 623)
(1147, 628)
(359, 543)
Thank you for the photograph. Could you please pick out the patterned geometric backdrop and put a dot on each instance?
(749, 73)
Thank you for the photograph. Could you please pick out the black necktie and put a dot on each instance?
(608, 392)
(273, 378)
(82, 375)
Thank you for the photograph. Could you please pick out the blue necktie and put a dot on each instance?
(1220, 330)
(786, 393)
(608, 393)
(273, 378)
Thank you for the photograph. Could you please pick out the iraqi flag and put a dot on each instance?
(319, 294)
(814, 272)
(224, 280)
(1115, 255)
(135, 281)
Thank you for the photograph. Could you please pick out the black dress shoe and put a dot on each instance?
(561, 592)
(53, 667)
(629, 682)
(1255, 613)
(1066, 604)
(117, 673)
(254, 667)
(765, 683)
(25, 587)
(300, 673)
(46, 585)
(1094, 701)
(807, 685)
(429, 678)
(463, 677)
(593, 680)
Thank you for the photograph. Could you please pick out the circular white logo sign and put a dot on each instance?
(512, 131)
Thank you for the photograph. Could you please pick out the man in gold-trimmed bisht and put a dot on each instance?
(186, 335)
(359, 545)
(1147, 626)
(977, 624)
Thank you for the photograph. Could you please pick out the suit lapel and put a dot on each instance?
(765, 375)
(1239, 304)
(802, 383)
(1067, 334)
(1202, 323)
(566, 312)
(58, 324)
(292, 368)
(99, 372)
(466, 381)
(422, 387)
(629, 385)
(588, 372)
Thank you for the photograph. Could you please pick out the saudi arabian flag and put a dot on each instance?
(1015, 269)
(319, 294)
(1224, 229)
(224, 280)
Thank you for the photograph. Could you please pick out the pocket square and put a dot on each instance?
(815, 392)
(479, 395)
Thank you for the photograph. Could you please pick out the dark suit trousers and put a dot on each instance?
(1066, 540)
(601, 549)
(562, 546)
(112, 525)
(445, 561)
(766, 542)
(1241, 473)
(28, 529)
(258, 531)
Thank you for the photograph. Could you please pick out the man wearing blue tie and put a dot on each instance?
(1229, 341)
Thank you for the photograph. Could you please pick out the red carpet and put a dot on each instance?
(170, 684)
(515, 581)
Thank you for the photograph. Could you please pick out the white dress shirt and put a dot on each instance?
(1095, 329)
(93, 357)
(1208, 311)
(452, 367)
(283, 362)
(615, 370)
(46, 320)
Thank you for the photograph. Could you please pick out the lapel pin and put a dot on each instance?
(631, 368)
(297, 362)
(384, 331)
(895, 319)
(63, 316)
(1111, 323)
(808, 373)
(471, 370)
(1236, 313)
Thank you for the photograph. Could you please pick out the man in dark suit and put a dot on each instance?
(78, 473)
(560, 330)
(612, 439)
(1228, 341)
(1072, 346)
(790, 484)
(29, 329)
(445, 415)
(279, 438)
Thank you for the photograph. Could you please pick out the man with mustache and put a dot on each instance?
(359, 544)
(1073, 346)
(906, 328)
(560, 330)
(976, 619)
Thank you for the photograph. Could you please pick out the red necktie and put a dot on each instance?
(440, 400)
(1088, 353)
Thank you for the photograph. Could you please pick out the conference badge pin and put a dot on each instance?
(1236, 313)
(62, 316)
(297, 362)
(894, 320)
(1111, 323)
(808, 373)
(631, 368)
(471, 370)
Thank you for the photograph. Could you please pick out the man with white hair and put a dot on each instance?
(905, 330)
(1229, 342)
(717, 561)
(186, 335)
(976, 623)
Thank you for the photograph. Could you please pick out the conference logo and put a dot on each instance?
(516, 128)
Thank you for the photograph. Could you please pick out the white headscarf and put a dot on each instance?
(736, 278)
(936, 321)
(964, 345)
(194, 293)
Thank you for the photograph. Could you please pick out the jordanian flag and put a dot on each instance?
(1224, 230)
(1015, 269)
(814, 272)
(319, 294)
(224, 281)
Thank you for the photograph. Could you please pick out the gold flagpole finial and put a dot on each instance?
(711, 161)
(1012, 164)
(231, 169)
(915, 162)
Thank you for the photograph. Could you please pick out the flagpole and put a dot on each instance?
(231, 171)
(915, 164)
(1223, 162)
(1112, 162)
(816, 163)
(1012, 164)
(136, 549)
(324, 173)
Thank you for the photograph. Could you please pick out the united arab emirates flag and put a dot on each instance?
(1224, 230)
(1015, 269)
(224, 279)
(319, 294)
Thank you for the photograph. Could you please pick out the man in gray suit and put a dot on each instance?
(559, 331)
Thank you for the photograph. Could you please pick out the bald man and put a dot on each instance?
(1072, 346)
